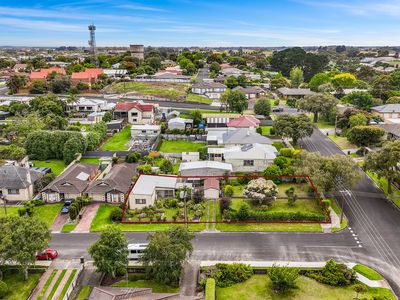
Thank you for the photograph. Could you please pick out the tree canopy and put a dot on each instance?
(262, 107)
(318, 103)
(294, 126)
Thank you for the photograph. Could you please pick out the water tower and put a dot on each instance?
(92, 44)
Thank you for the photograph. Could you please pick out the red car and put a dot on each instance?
(47, 254)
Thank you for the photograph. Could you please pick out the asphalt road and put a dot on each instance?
(202, 74)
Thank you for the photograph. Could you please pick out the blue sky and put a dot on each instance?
(201, 22)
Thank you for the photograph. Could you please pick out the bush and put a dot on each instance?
(132, 157)
(228, 274)
(287, 152)
(291, 102)
(283, 278)
(3, 289)
(121, 271)
(224, 204)
(210, 289)
(334, 274)
(73, 212)
(203, 153)
(116, 214)
(228, 190)
(245, 213)
(272, 131)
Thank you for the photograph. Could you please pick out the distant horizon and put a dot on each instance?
(207, 23)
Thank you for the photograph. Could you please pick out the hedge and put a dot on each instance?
(210, 289)
(277, 216)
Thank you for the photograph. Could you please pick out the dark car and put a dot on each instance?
(65, 208)
(277, 109)
(47, 254)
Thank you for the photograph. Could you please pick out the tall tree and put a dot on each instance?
(262, 107)
(385, 162)
(237, 101)
(21, 238)
(15, 82)
(361, 100)
(166, 253)
(344, 81)
(296, 77)
(364, 136)
(294, 126)
(317, 80)
(318, 103)
(110, 251)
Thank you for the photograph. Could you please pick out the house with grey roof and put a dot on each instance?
(17, 183)
(392, 131)
(387, 111)
(285, 92)
(114, 185)
(71, 183)
(212, 90)
(251, 92)
(205, 168)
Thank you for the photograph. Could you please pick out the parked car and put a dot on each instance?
(65, 208)
(277, 109)
(47, 254)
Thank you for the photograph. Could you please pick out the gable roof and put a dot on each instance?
(295, 92)
(205, 164)
(244, 121)
(391, 128)
(387, 108)
(43, 73)
(208, 85)
(15, 177)
(119, 179)
(211, 183)
(146, 184)
(244, 136)
(87, 74)
(75, 179)
(127, 106)
(249, 90)
(251, 151)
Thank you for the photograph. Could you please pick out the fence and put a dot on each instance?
(184, 137)
(73, 284)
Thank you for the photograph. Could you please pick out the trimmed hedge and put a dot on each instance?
(210, 289)
(276, 216)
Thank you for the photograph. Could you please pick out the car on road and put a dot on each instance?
(47, 254)
(277, 109)
(136, 250)
(65, 208)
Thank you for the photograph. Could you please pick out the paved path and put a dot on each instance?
(59, 222)
(62, 284)
(188, 283)
(41, 283)
(87, 218)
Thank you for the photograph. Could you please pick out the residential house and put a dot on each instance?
(145, 131)
(180, 123)
(235, 72)
(135, 112)
(20, 67)
(205, 168)
(115, 73)
(212, 90)
(247, 158)
(148, 188)
(85, 106)
(285, 92)
(43, 74)
(115, 126)
(251, 92)
(114, 185)
(236, 137)
(71, 183)
(89, 76)
(211, 188)
(392, 131)
(244, 122)
(17, 183)
(388, 112)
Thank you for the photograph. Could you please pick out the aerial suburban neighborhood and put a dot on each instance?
(146, 155)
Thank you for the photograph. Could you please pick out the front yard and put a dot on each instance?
(179, 146)
(199, 99)
(258, 287)
(119, 141)
(46, 213)
(140, 281)
(57, 166)
(342, 142)
(18, 288)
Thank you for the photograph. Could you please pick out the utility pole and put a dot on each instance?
(183, 195)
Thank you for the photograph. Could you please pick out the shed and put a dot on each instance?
(211, 188)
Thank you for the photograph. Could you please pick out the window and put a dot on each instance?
(134, 120)
(140, 201)
(13, 191)
(143, 131)
(134, 114)
(248, 163)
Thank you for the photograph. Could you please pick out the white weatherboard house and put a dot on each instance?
(247, 158)
(149, 187)
(205, 168)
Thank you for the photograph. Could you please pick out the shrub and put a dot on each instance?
(283, 278)
(133, 157)
(228, 190)
(334, 274)
(224, 204)
(3, 289)
(210, 289)
(116, 214)
(121, 271)
(203, 153)
(272, 131)
(287, 152)
(276, 102)
(245, 213)
(73, 212)
(228, 274)
(291, 102)
(327, 203)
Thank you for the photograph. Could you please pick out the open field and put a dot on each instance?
(169, 90)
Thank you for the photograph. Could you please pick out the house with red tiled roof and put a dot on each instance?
(211, 188)
(135, 112)
(89, 76)
(244, 122)
(43, 74)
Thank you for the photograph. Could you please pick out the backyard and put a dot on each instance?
(119, 141)
(173, 91)
(259, 287)
(57, 166)
(179, 146)
(46, 213)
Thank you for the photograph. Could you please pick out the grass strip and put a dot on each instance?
(85, 292)
(367, 272)
(54, 289)
(47, 284)
(67, 284)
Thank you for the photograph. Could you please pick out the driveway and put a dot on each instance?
(87, 218)
(59, 222)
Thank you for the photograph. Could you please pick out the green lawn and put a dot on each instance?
(198, 99)
(47, 284)
(325, 125)
(342, 142)
(18, 288)
(84, 293)
(173, 91)
(273, 227)
(102, 220)
(278, 145)
(57, 166)
(138, 281)
(90, 160)
(299, 188)
(383, 184)
(179, 146)
(68, 228)
(47, 213)
(67, 284)
(259, 287)
(266, 130)
(367, 272)
(57, 283)
(119, 141)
